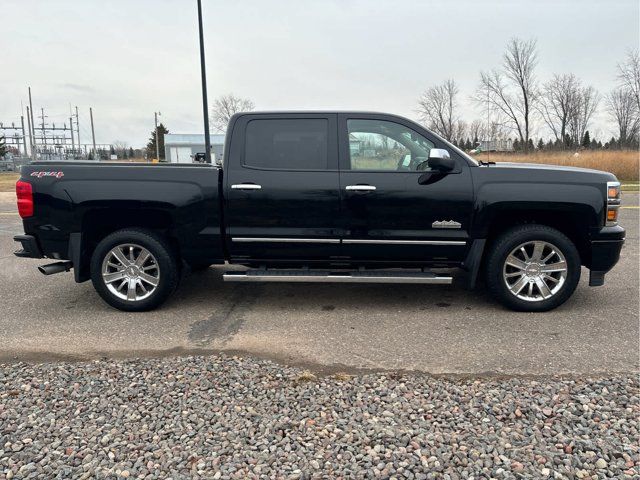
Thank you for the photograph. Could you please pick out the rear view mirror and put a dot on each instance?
(440, 160)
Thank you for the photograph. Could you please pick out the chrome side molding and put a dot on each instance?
(405, 242)
(284, 240)
(346, 241)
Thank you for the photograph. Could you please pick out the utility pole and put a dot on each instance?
(157, 136)
(31, 140)
(44, 136)
(93, 133)
(205, 104)
(78, 126)
(24, 137)
(73, 144)
(33, 124)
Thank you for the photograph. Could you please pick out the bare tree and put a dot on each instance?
(120, 147)
(225, 106)
(511, 92)
(623, 109)
(586, 103)
(567, 107)
(629, 75)
(558, 99)
(437, 108)
(476, 129)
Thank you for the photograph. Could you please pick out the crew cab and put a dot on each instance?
(324, 197)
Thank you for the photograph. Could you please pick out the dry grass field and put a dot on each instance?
(8, 181)
(622, 163)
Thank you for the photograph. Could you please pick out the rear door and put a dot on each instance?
(282, 198)
(395, 209)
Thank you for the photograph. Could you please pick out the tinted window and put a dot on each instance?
(289, 144)
(383, 145)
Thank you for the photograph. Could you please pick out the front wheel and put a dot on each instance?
(134, 270)
(533, 268)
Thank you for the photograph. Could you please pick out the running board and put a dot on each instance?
(336, 277)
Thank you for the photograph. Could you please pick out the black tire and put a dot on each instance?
(510, 240)
(166, 261)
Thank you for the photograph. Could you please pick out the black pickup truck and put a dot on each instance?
(324, 197)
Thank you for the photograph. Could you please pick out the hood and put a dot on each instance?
(548, 168)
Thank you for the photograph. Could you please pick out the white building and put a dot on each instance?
(181, 147)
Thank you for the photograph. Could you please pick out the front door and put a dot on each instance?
(281, 189)
(394, 208)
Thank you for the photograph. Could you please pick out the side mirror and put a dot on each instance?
(440, 160)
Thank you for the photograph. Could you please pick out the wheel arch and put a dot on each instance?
(99, 223)
(573, 221)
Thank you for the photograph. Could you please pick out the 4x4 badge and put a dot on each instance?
(446, 224)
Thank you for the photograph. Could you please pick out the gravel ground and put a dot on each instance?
(227, 417)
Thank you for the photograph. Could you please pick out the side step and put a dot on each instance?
(357, 276)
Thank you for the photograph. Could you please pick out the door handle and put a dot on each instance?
(246, 186)
(360, 188)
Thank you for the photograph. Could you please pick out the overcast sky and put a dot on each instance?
(129, 58)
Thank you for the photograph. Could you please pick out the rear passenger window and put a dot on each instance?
(287, 144)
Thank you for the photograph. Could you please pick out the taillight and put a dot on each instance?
(24, 192)
(613, 203)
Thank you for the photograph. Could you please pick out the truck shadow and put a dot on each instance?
(209, 286)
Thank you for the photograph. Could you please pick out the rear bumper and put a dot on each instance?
(30, 247)
(605, 246)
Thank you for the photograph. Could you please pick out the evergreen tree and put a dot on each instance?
(151, 146)
(530, 145)
(516, 145)
(586, 140)
(3, 146)
(599, 144)
(131, 153)
(540, 144)
(568, 141)
(594, 144)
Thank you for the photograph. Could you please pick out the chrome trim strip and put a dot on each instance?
(360, 188)
(284, 240)
(346, 241)
(246, 186)
(336, 279)
(406, 242)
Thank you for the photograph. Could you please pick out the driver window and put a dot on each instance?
(388, 146)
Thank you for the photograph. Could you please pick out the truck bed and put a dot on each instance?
(83, 201)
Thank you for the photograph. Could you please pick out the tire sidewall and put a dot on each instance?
(158, 248)
(509, 241)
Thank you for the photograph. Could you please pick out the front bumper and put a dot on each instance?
(605, 246)
(30, 247)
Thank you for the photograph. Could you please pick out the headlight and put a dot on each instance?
(613, 203)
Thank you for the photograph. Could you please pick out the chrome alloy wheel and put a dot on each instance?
(535, 271)
(130, 272)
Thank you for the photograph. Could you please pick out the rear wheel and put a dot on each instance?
(134, 270)
(533, 268)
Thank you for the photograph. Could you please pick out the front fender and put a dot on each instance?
(581, 204)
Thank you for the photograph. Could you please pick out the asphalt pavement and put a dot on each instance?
(435, 329)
